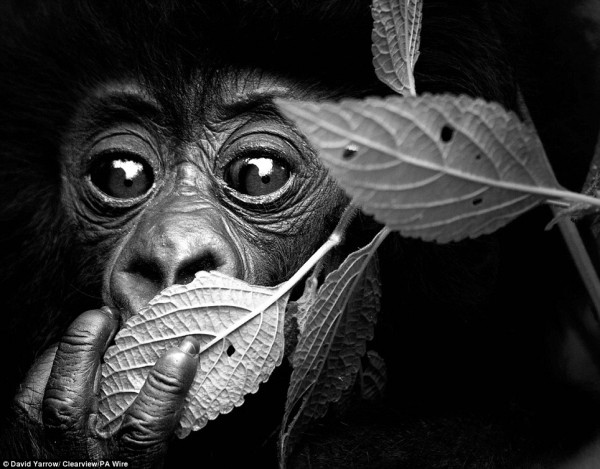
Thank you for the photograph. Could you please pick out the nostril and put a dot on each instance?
(147, 270)
(186, 273)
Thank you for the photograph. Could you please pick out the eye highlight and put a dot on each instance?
(122, 175)
(256, 176)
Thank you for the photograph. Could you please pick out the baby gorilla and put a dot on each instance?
(140, 144)
(147, 148)
(223, 183)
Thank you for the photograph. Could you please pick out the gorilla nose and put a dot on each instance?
(169, 251)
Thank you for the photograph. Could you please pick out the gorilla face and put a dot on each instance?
(223, 183)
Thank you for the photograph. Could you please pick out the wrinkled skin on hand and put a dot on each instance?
(59, 398)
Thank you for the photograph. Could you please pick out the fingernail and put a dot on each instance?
(110, 312)
(96, 388)
(190, 346)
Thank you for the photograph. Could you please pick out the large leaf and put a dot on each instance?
(396, 38)
(436, 167)
(338, 323)
(241, 342)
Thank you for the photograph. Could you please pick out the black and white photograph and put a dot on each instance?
(300, 234)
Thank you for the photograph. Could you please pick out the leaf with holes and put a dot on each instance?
(339, 322)
(396, 38)
(437, 167)
(240, 330)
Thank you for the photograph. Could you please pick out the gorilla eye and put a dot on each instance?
(122, 176)
(257, 176)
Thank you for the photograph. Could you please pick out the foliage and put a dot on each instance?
(438, 167)
(335, 328)
(240, 331)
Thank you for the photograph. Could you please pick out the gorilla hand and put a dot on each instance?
(57, 403)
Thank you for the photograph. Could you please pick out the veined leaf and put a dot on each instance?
(437, 167)
(241, 342)
(338, 324)
(396, 38)
(373, 376)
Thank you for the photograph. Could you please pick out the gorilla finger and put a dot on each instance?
(151, 419)
(70, 391)
(31, 392)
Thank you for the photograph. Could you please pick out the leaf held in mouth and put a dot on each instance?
(240, 330)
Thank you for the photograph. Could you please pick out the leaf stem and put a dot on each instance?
(558, 203)
(411, 83)
(582, 260)
(339, 232)
(344, 222)
(333, 240)
(568, 195)
(570, 233)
